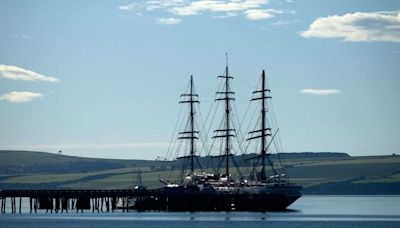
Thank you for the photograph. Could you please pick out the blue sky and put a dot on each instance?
(103, 79)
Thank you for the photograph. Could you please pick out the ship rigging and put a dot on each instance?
(202, 185)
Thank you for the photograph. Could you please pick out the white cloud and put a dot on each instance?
(228, 14)
(161, 4)
(322, 92)
(359, 26)
(251, 9)
(129, 7)
(17, 73)
(17, 35)
(259, 14)
(20, 97)
(168, 21)
(197, 7)
(151, 5)
(286, 23)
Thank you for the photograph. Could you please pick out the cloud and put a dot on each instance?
(356, 27)
(20, 97)
(286, 23)
(129, 7)
(21, 36)
(228, 14)
(251, 9)
(197, 7)
(16, 73)
(162, 4)
(259, 14)
(322, 92)
(168, 21)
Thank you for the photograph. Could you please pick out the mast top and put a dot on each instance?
(226, 59)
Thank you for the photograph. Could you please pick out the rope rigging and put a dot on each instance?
(197, 132)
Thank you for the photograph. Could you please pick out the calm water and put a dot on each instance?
(308, 211)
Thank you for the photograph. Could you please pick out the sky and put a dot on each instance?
(103, 78)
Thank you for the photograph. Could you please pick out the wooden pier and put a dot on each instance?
(70, 200)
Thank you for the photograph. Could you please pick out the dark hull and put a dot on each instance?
(181, 199)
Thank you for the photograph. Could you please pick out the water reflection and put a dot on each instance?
(308, 208)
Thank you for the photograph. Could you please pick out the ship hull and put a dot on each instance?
(181, 199)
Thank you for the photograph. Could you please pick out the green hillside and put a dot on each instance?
(29, 162)
(319, 173)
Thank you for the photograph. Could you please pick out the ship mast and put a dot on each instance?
(190, 133)
(227, 132)
(264, 131)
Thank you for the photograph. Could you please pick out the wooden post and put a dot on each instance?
(57, 207)
(2, 204)
(66, 206)
(101, 207)
(20, 202)
(108, 204)
(123, 204)
(12, 205)
(92, 200)
(35, 204)
(52, 205)
(113, 202)
(127, 204)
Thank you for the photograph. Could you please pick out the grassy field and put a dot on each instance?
(324, 175)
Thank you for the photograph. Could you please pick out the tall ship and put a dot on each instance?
(226, 184)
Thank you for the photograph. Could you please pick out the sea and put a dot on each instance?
(308, 211)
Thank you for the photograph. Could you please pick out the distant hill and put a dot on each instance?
(28, 162)
(17, 162)
(317, 155)
(317, 172)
